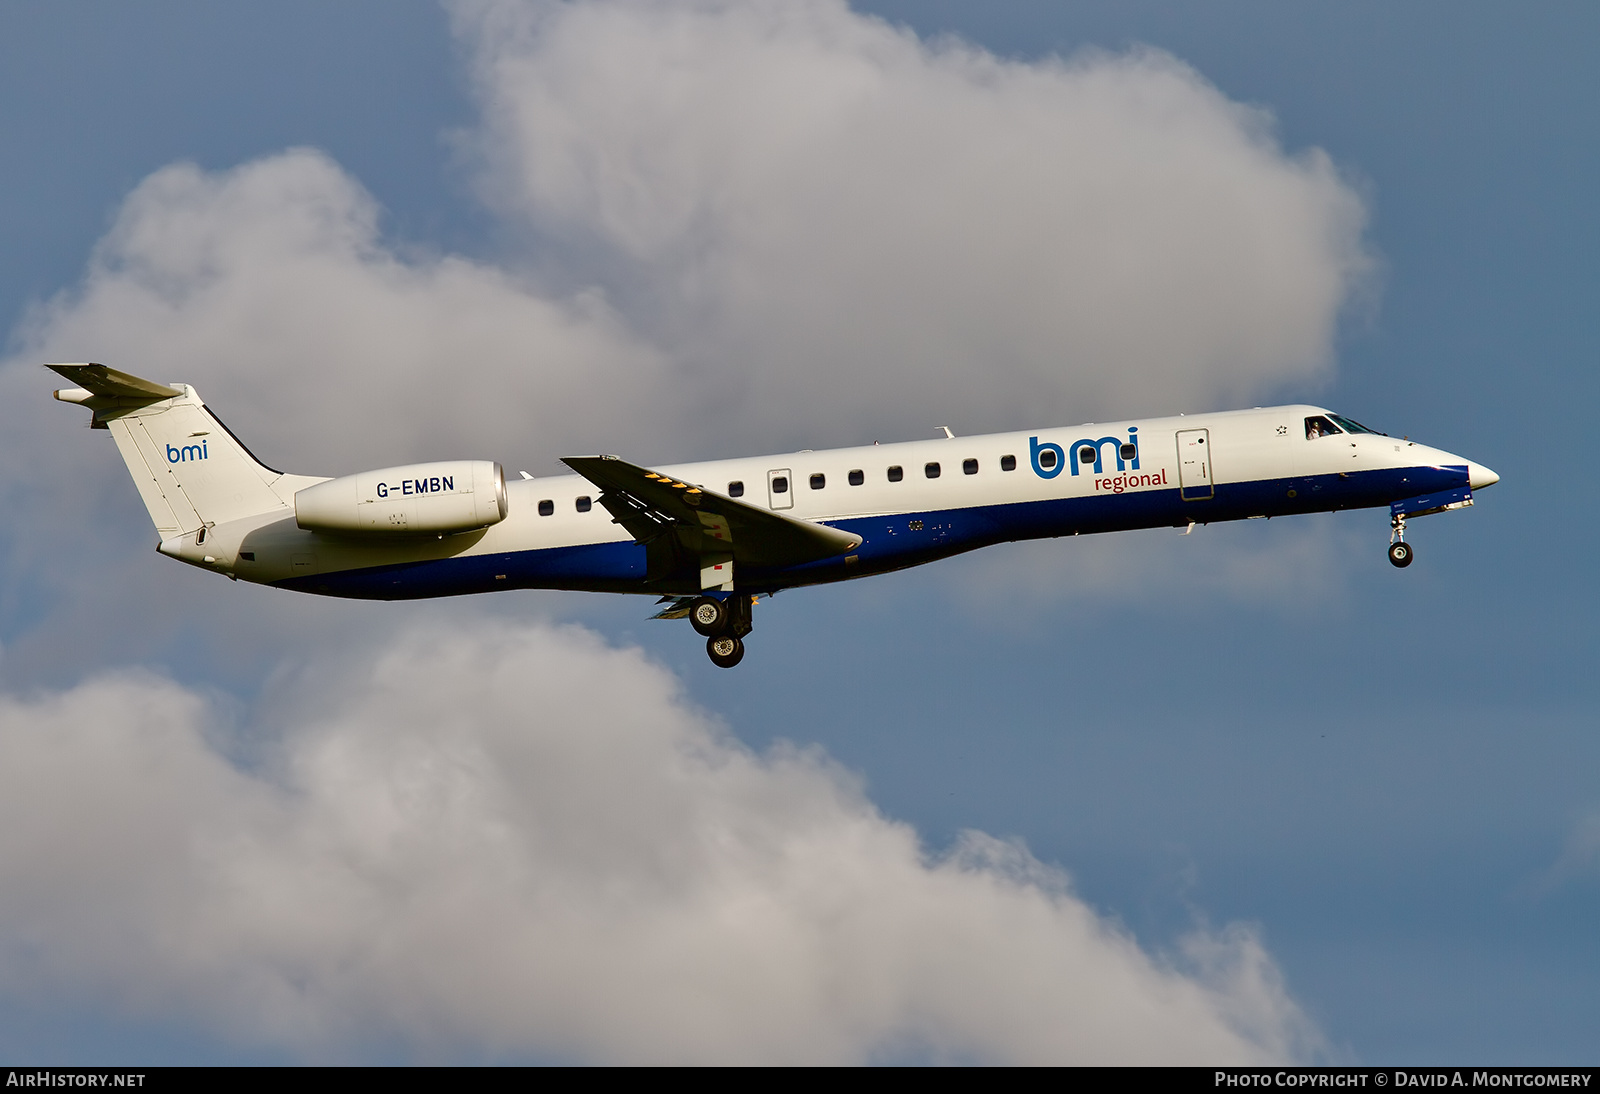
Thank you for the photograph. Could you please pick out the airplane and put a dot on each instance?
(709, 538)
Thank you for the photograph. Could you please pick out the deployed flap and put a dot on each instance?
(656, 507)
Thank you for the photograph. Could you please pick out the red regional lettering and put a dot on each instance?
(1118, 483)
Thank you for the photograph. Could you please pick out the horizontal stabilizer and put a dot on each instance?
(108, 383)
(649, 505)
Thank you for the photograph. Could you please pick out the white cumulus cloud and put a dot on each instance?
(730, 227)
(268, 287)
(743, 227)
(842, 225)
(762, 224)
(514, 839)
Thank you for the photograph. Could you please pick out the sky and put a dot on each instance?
(1246, 795)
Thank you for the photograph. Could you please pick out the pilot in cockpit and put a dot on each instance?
(1318, 426)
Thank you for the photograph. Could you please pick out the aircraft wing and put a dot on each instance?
(686, 523)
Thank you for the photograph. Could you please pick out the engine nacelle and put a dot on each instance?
(457, 496)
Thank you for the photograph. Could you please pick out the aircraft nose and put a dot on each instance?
(1480, 476)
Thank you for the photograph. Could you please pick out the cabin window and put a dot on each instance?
(818, 481)
(896, 473)
(780, 485)
(584, 504)
(1047, 458)
(1318, 426)
(736, 489)
(1009, 463)
(931, 469)
(547, 508)
(1128, 451)
(857, 477)
(969, 467)
(1085, 455)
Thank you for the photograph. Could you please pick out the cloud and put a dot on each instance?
(268, 287)
(763, 224)
(845, 226)
(729, 228)
(742, 227)
(1284, 565)
(516, 840)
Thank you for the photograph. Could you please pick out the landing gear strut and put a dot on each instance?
(1400, 553)
(724, 622)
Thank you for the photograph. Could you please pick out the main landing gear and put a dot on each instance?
(725, 650)
(724, 622)
(1400, 553)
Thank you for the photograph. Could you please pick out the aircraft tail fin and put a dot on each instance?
(191, 471)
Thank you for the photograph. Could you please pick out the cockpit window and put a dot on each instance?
(1354, 427)
(1318, 426)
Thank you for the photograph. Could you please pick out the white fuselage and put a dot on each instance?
(950, 495)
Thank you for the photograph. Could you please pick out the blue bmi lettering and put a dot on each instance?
(187, 452)
(1081, 450)
(1047, 458)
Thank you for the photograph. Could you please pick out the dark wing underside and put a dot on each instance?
(687, 530)
(108, 383)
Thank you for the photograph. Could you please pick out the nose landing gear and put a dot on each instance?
(1400, 553)
(724, 622)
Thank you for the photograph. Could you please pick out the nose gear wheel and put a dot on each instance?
(1400, 553)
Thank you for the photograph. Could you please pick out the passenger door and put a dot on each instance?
(1194, 464)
